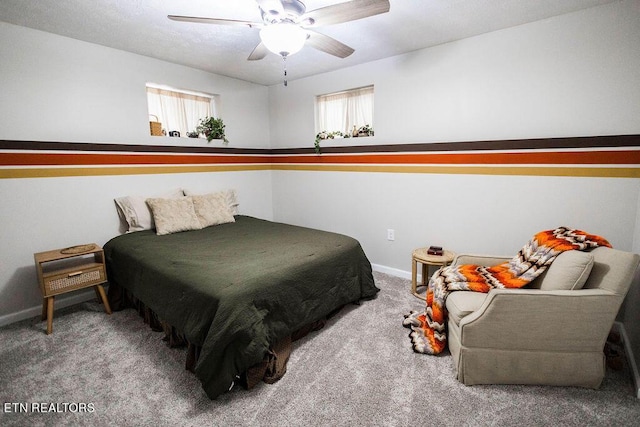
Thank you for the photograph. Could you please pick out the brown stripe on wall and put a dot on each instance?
(136, 148)
(585, 142)
(507, 144)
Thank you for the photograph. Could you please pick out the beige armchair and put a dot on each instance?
(552, 332)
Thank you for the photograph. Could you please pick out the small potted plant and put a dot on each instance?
(326, 135)
(365, 130)
(212, 128)
(319, 136)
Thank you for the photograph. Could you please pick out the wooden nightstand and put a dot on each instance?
(70, 269)
(421, 256)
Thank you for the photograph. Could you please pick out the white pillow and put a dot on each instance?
(212, 209)
(135, 212)
(173, 215)
(229, 195)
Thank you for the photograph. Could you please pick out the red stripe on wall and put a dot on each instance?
(625, 157)
(603, 157)
(69, 159)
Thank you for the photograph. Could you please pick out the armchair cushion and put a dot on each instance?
(569, 271)
(462, 303)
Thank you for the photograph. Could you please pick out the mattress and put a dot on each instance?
(235, 289)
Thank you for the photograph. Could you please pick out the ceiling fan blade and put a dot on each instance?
(345, 12)
(328, 44)
(259, 52)
(216, 21)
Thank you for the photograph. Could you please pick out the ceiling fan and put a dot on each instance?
(287, 26)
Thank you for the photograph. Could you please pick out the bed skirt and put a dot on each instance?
(271, 369)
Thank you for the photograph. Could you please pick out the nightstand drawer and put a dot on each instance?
(70, 280)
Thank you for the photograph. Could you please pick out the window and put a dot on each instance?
(345, 111)
(179, 110)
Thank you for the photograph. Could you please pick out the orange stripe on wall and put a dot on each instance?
(625, 157)
(71, 159)
(612, 157)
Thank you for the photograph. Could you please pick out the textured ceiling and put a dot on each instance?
(142, 27)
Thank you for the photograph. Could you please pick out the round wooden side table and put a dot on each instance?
(420, 255)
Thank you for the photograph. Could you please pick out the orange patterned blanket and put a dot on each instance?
(428, 333)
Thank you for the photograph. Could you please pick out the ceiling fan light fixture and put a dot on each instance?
(283, 38)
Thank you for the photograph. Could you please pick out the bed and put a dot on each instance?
(235, 289)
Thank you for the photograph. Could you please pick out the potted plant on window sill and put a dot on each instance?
(212, 128)
(365, 130)
(327, 135)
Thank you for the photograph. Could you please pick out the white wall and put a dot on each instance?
(59, 89)
(566, 76)
(573, 75)
(464, 213)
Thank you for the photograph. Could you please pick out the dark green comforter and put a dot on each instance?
(236, 288)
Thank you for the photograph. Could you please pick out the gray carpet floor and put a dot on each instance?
(357, 371)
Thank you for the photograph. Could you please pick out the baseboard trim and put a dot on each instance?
(60, 302)
(635, 374)
(392, 271)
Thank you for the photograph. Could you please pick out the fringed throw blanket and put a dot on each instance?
(428, 329)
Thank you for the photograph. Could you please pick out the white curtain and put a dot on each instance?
(177, 110)
(343, 110)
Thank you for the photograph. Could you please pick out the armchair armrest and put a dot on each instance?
(531, 319)
(484, 260)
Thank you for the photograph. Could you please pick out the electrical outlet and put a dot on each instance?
(391, 234)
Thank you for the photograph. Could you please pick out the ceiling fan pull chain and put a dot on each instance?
(284, 65)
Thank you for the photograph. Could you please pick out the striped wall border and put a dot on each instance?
(599, 156)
